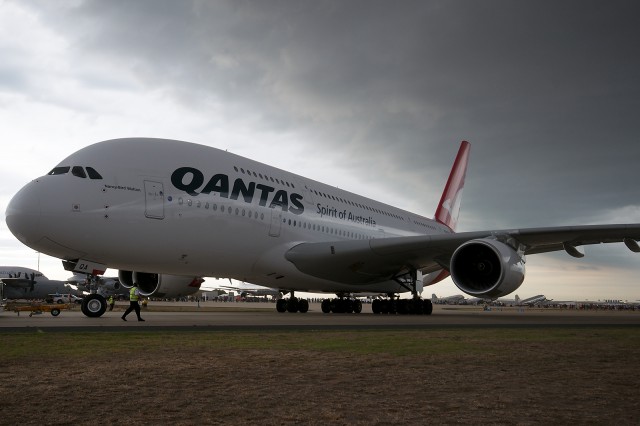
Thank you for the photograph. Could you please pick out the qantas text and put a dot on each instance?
(189, 179)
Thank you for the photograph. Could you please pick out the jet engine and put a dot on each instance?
(160, 285)
(487, 268)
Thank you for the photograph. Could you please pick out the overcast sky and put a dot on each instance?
(370, 96)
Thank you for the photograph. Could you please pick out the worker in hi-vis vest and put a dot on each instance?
(134, 295)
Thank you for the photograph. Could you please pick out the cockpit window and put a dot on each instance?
(93, 174)
(59, 170)
(78, 171)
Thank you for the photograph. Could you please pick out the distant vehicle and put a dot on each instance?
(63, 298)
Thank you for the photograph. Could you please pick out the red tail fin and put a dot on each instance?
(449, 206)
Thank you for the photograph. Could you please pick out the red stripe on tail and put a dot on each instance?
(449, 206)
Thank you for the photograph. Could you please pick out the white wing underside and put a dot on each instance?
(369, 261)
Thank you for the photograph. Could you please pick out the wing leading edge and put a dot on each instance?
(369, 261)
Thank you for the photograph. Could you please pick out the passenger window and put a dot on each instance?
(59, 171)
(78, 171)
(93, 174)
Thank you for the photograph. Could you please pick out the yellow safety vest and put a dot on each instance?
(132, 294)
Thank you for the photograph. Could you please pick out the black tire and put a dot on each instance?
(376, 307)
(292, 305)
(326, 306)
(55, 312)
(281, 305)
(402, 306)
(303, 306)
(427, 307)
(357, 306)
(94, 305)
(60, 302)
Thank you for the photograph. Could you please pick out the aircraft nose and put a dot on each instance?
(23, 213)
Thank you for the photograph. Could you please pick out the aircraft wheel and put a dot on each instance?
(348, 306)
(303, 306)
(55, 312)
(376, 307)
(292, 305)
(281, 305)
(357, 306)
(337, 306)
(427, 307)
(94, 305)
(415, 307)
(326, 306)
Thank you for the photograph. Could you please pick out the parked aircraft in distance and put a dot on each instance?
(165, 212)
(456, 299)
(522, 302)
(245, 289)
(26, 283)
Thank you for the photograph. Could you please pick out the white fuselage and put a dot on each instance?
(179, 208)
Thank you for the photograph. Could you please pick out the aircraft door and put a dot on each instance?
(153, 199)
(276, 223)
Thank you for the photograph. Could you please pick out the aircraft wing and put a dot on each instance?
(368, 261)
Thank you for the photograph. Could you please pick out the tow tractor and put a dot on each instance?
(37, 308)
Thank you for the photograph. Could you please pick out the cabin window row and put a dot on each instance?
(261, 176)
(295, 223)
(351, 203)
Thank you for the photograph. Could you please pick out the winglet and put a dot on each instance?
(449, 206)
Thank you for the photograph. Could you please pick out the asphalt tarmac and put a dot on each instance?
(263, 316)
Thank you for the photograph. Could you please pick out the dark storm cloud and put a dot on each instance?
(546, 91)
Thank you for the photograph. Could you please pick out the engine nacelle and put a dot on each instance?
(487, 268)
(160, 285)
(110, 284)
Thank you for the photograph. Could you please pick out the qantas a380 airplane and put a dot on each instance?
(166, 212)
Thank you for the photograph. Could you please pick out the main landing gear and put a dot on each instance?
(413, 306)
(346, 304)
(292, 304)
(395, 305)
(342, 305)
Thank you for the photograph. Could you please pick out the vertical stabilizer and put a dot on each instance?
(449, 206)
